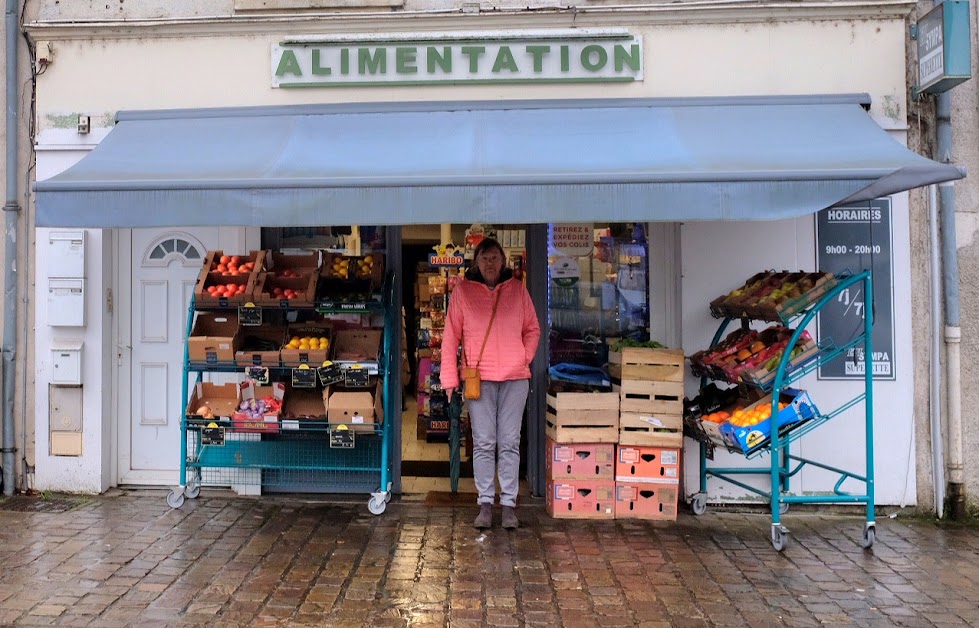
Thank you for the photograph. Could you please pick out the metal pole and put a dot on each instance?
(12, 214)
(537, 400)
(935, 370)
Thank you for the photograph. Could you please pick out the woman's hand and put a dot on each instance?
(448, 392)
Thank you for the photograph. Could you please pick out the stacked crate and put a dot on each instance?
(650, 439)
(582, 428)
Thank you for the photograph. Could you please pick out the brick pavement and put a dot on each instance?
(126, 559)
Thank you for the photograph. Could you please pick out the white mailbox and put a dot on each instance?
(66, 302)
(67, 250)
(66, 362)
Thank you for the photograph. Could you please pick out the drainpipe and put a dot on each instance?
(953, 332)
(935, 366)
(11, 213)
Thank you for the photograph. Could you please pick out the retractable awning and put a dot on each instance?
(496, 162)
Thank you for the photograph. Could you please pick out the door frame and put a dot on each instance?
(121, 337)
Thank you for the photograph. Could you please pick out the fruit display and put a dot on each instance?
(308, 343)
(231, 266)
(224, 291)
(344, 267)
(747, 355)
(258, 408)
(287, 293)
(287, 274)
(742, 417)
(772, 295)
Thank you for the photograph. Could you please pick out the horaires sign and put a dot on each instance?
(507, 58)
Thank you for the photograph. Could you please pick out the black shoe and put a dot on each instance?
(510, 521)
(485, 517)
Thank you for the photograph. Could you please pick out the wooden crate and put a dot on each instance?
(664, 365)
(651, 397)
(583, 417)
(645, 429)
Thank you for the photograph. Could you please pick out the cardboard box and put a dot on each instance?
(267, 422)
(646, 501)
(647, 465)
(594, 461)
(222, 399)
(313, 357)
(304, 286)
(574, 417)
(208, 278)
(303, 404)
(747, 439)
(580, 499)
(357, 346)
(355, 268)
(358, 408)
(252, 349)
(213, 337)
(303, 263)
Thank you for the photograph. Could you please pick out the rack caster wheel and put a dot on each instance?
(780, 538)
(376, 504)
(783, 507)
(193, 491)
(175, 499)
(869, 536)
(699, 504)
(387, 497)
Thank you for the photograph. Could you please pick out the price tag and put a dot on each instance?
(303, 377)
(357, 376)
(249, 315)
(258, 373)
(330, 373)
(342, 438)
(212, 436)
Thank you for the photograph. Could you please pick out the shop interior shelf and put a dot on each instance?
(305, 454)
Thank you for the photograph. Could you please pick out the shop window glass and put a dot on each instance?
(598, 293)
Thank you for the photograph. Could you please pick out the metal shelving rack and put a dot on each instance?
(783, 464)
(293, 458)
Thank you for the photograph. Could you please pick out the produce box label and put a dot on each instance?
(342, 439)
(249, 315)
(213, 436)
(304, 377)
(258, 373)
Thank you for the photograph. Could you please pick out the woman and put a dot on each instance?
(493, 316)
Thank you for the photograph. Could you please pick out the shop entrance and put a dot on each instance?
(163, 268)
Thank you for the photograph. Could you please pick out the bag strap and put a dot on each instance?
(486, 337)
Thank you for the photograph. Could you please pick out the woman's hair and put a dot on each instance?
(485, 245)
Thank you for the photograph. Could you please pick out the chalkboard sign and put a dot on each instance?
(853, 239)
(258, 373)
(212, 436)
(304, 377)
(342, 439)
(249, 315)
(356, 376)
(330, 373)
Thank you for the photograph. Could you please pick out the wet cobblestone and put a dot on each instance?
(126, 559)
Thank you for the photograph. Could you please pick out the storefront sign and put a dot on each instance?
(944, 54)
(446, 256)
(855, 239)
(572, 240)
(386, 60)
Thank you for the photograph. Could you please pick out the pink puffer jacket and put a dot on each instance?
(512, 341)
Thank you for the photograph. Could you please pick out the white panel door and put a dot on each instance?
(165, 265)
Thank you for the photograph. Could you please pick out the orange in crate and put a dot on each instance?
(647, 464)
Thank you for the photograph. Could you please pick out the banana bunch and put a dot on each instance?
(341, 267)
(365, 267)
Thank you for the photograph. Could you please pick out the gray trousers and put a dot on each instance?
(496, 418)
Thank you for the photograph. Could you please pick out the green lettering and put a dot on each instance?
(565, 59)
(319, 70)
(586, 58)
(538, 52)
(404, 60)
(505, 60)
(443, 60)
(623, 58)
(288, 64)
(473, 52)
(376, 64)
(344, 61)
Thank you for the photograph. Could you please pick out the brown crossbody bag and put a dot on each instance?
(470, 374)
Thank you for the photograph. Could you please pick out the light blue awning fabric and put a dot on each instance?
(496, 162)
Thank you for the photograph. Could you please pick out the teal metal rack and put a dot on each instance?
(783, 465)
(297, 458)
